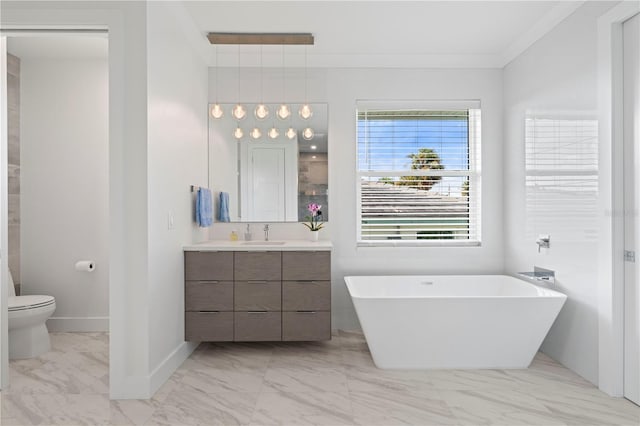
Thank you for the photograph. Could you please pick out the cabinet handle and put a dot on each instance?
(210, 282)
(256, 312)
(209, 312)
(305, 312)
(257, 281)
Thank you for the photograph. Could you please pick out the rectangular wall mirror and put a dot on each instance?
(269, 176)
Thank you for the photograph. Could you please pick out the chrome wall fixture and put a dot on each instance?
(261, 111)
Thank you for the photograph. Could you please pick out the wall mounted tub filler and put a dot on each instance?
(543, 241)
(540, 274)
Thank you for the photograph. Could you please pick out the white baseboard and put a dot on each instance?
(74, 324)
(129, 388)
(145, 387)
(170, 364)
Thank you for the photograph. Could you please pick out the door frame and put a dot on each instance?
(611, 198)
(4, 221)
(125, 23)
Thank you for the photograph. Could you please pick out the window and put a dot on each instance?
(418, 173)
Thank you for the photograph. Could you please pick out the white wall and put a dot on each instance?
(177, 153)
(65, 188)
(340, 88)
(558, 73)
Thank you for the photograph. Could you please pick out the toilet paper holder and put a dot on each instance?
(85, 266)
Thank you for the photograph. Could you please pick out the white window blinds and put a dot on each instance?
(419, 175)
(561, 158)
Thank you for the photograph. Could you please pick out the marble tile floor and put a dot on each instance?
(330, 383)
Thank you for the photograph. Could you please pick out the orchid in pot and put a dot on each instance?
(315, 220)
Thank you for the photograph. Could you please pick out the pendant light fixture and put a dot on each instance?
(305, 112)
(239, 112)
(255, 133)
(216, 109)
(262, 111)
(283, 111)
(273, 133)
(307, 133)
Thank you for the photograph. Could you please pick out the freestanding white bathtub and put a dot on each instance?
(453, 321)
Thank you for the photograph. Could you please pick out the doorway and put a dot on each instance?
(631, 148)
(58, 184)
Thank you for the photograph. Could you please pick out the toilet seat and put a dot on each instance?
(23, 303)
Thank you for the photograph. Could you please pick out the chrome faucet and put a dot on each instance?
(266, 232)
(543, 241)
(540, 274)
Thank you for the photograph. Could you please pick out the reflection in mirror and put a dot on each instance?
(271, 168)
(561, 158)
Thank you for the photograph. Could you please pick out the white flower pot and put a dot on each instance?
(314, 235)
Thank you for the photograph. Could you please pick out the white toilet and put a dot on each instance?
(28, 334)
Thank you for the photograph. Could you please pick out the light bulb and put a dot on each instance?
(217, 111)
(273, 132)
(305, 112)
(283, 112)
(238, 133)
(255, 133)
(307, 133)
(261, 112)
(291, 133)
(239, 112)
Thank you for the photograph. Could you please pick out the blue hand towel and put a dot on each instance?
(223, 207)
(204, 210)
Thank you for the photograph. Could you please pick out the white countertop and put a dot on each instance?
(258, 245)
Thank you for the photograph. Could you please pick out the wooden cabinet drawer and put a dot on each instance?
(208, 296)
(258, 266)
(208, 265)
(306, 326)
(306, 295)
(258, 296)
(208, 326)
(257, 326)
(306, 265)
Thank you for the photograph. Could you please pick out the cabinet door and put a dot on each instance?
(208, 296)
(257, 326)
(306, 265)
(208, 265)
(208, 326)
(258, 296)
(306, 326)
(306, 295)
(265, 266)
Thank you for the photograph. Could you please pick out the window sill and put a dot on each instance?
(413, 243)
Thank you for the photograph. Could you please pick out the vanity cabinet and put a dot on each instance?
(209, 294)
(306, 296)
(257, 295)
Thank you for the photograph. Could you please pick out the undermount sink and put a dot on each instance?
(262, 243)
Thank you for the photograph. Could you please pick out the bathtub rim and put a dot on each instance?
(543, 292)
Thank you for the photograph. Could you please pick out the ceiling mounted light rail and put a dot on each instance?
(261, 38)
